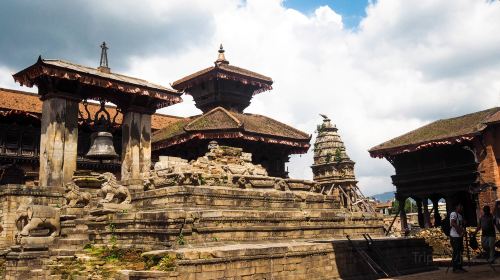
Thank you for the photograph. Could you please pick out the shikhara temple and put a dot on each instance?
(96, 185)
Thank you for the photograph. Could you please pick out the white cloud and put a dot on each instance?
(6, 80)
(408, 63)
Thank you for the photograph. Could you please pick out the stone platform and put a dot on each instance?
(320, 259)
(206, 215)
(219, 217)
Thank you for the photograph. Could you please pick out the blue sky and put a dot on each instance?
(352, 11)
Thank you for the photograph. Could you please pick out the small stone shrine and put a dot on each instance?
(334, 170)
(220, 215)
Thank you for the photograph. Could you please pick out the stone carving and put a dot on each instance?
(75, 197)
(31, 217)
(112, 191)
(281, 184)
(242, 182)
(213, 145)
(221, 165)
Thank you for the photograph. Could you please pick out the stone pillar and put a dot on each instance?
(420, 214)
(427, 216)
(437, 216)
(136, 147)
(58, 141)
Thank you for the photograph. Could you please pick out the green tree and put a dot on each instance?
(410, 206)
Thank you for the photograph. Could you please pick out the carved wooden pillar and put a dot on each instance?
(136, 147)
(58, 141)
(420, 215)
(427, 216)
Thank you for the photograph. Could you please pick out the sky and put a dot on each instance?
(378, 69)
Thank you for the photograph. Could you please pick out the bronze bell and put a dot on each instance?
(102, 146)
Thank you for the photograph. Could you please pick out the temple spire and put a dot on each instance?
(221, 59)
(103, 65)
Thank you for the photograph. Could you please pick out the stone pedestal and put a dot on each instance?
(58, 141)
(136, 147)
(12, 196)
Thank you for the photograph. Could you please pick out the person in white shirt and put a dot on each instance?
(457, 238)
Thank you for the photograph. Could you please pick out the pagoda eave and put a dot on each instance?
(298, 147)
(89, 80)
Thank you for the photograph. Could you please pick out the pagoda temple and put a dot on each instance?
(222, 92)
(455, 159)
(334, 170)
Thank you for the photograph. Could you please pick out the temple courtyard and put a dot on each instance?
(479, 272)
(247, 177)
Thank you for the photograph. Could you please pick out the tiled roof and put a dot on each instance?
(441, 132)
(225, 71)
(222, 123)
(30, 102)
(94, 77)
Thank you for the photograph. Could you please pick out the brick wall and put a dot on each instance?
(489, 160)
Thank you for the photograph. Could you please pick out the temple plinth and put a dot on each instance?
(63, 85)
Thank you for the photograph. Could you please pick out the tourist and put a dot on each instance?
(487, 226)
(497, 215)
(457, 238)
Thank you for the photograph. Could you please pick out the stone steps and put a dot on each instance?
(320, 259)
(231, 198)
(201, 226)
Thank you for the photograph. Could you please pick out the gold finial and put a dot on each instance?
(221, 59)
(103, 65)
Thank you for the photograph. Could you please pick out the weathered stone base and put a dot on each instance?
(12, 196)
(152, 230)
(327, 259)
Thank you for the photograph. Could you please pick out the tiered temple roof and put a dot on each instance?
(223, 85)
(222, 92)
(223, 103)
(222, 70)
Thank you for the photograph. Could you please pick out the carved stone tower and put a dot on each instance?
(333, 168)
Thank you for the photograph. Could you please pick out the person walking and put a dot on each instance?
(487, 227)
(457, 238)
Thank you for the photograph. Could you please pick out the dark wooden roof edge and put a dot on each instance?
(230, 72)
(176, 130)
(19, 91)
(381, 153)
(298, 146)
(92, 104)
(126, 84)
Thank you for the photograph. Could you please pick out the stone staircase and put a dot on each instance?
(276, 216)
(74, 233)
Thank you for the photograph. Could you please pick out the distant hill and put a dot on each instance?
(383, 197)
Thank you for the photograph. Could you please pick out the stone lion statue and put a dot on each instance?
(75, 197)
(112, 191)
(30, 216)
